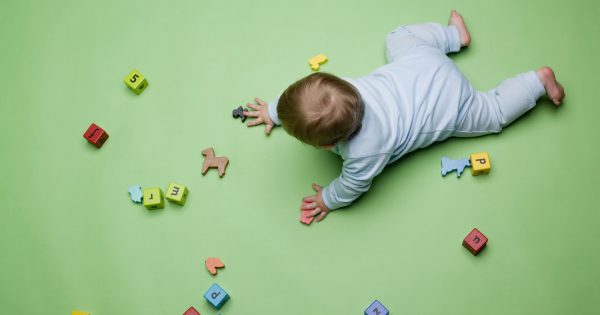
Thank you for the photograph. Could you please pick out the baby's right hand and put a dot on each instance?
(261, 113)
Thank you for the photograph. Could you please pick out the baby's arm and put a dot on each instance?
(357, 175)
(262, 112)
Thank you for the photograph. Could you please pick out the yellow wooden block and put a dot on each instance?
(79, 313)
(153, 198)
(316, 61)
(136, 81)
(480, 163)
(177, 193)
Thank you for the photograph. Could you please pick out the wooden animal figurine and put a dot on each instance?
(449, 165)
(210, 161)
(316, 61)
(239, 113)
(212, 263)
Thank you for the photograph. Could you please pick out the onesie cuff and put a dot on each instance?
(326, 201)
(273, 111)
(453, 38)
(534, 85)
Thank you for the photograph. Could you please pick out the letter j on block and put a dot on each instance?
(216, 296)
(475, 241)
(136, 82)
(95, 135)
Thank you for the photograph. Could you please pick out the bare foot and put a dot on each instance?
(554, 89)
(457, 20)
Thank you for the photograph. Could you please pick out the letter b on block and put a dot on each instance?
(480, 163)
(136, 81)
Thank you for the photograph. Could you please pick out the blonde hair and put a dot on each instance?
(320, 109)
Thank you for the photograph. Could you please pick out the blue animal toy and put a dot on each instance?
(136, 194)
(449, 165)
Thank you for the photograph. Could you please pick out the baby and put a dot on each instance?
(418, 98)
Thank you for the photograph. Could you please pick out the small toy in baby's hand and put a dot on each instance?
(239, 113)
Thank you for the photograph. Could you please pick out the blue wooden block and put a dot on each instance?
(449, 165)
(216, 296)
(136, 194)
(376, 308)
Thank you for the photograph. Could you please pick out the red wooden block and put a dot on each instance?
(191, 311)
(475, 241)
(96, 135)
(304, 217)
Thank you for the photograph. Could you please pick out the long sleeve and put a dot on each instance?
(273, 111)
(357, 175)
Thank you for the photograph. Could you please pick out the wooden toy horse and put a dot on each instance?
(211, 161)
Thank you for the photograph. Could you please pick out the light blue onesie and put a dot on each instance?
(418, 98)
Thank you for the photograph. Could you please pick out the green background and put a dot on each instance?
(71, 238)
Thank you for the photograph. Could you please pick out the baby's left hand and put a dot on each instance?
(315, 203)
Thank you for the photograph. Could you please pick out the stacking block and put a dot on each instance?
(376, 308)
(216, 296)
(449, 165)
(191, 311)
(480, 163)
(304, 218)
(475, 241)
(136, 194)
(136, 81)
(212, 263)
(177, 193)
(79, 313)
(316, 61)
(153, 198)
(95, 135)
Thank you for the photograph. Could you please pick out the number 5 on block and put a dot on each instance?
(136, 81)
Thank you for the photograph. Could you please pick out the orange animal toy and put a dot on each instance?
(210, 160)
(212, 264)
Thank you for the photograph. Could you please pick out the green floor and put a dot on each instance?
(71, 238)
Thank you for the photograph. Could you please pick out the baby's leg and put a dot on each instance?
(448, 39)
(489, 112)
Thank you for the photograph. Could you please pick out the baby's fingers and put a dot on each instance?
(251, 114)
(309, 199)
(255, 122)
(321, 216)
(314, 213)
(268, 129)
(308, 206)
(260, 102)
(253, 106)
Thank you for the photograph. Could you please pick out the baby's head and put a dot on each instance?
(321, 110)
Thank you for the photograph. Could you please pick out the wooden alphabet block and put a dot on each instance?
(95, 135)
(475, 241)
(191, 311)
(153, 198)
(177, 193)
(376, 308)
(136, 81)
(216, 296)
(480, 163)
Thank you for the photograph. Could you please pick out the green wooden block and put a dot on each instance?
(177, 193)
(153, 198)
(136, 81)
